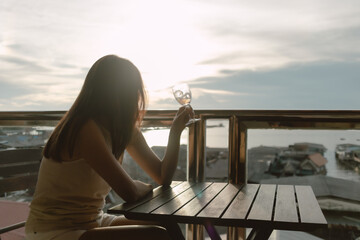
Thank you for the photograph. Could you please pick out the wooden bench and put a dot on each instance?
(18, 171)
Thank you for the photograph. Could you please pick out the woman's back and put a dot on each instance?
(68, 195)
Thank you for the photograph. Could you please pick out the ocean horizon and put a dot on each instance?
(217, 137)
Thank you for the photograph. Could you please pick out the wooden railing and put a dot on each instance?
(240, 121)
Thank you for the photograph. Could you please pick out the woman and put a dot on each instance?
(83, 156)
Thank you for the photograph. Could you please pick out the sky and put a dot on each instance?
(234, 54)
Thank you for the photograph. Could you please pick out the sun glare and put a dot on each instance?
(165, 45)
(2, 49)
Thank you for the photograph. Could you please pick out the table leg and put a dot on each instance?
(174, 230)
(213, 234)
(260, 233)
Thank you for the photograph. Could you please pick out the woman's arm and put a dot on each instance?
(162, 171)
(92, 147)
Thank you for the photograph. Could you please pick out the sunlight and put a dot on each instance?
(2, 48)
(160, 137)
(199, 42)
(165, 45)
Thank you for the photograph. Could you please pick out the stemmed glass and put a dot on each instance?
(182, 94)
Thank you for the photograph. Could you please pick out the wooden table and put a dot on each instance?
(262, 207)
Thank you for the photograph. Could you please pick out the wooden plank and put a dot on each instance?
(156, 192)
(200, 201)
(239, 208)
(162, 198)
(6, 171)
(309, 208)
(20, 155)
(263, 205)
(18, 183)
(217, 206)
(183, 198)
(285, 206)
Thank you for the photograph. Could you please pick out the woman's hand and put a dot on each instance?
(142, 189)
(183, 115)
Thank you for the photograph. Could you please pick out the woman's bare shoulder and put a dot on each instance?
(92, 142)
(91, 132)
(90, 126)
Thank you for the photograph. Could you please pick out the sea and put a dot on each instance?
(217, 131)
(217, 137)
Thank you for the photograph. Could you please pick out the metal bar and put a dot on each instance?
(211, 230)
(12, 227)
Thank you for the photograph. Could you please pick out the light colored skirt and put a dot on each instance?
(66, 234)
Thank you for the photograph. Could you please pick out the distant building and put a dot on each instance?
(300, 159)
(312, 164)
(308, 147)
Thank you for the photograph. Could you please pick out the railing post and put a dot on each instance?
(235, 233)
(237, 151)
(243, 164)
(237, 164)
(196, 165)
(192, 163)
(234, 149)
(201, 143)
(194, 232)
(196, 151)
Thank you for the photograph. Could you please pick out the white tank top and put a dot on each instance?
(68, 195)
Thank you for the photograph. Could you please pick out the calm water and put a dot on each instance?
(218, 137)
(328, 138)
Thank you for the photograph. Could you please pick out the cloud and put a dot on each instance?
(250, 54)
(323, 85)
(274, 34)
(204, 91)
(277, 49)
(28, 84)
(33, 101)
(163, 99)
(9, 90)
(23, 63)
(317, 85)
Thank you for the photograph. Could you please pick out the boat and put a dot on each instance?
(348, 154)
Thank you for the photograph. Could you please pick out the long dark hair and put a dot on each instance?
(113, 96)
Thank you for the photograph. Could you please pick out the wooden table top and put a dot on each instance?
(252, 205)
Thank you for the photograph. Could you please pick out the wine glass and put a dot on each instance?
(182, 94)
